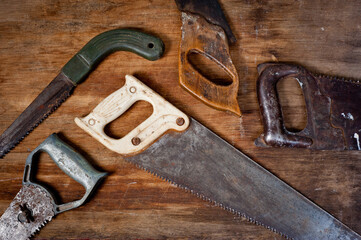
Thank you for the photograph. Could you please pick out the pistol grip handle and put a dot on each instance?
(102, 45)
(70, 162)
(164, 117)
(202, 37)
(275, 133)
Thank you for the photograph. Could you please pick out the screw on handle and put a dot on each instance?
(275, 133)
(165, 117)
(102, 45)
(70, 162)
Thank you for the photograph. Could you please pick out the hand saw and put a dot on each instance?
(179, 149)
(205, 31)
(73, 73)
(333, 110)
(34, 205)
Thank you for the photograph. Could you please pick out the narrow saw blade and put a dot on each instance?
(39, 206)
(48, 100)
(206, 165)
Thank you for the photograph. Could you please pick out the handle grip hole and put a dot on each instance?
(135, 115)
(26, 173)
(292, 103)
(151, 45)
(47, 174)
(209, 69)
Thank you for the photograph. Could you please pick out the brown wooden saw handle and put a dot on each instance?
(201, 37)
(275, 133)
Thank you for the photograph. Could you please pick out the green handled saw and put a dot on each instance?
(179, 149)
(73, 73)
(34, 205)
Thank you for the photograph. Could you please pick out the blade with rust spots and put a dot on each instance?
(48, 100)
(30, 210)
(73, 73)
(210, 10)
(196, 159)
(206, 165)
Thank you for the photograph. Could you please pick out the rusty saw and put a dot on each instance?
(181, 150)
(205, 31)
(34, 206)
(73, 73)
(332, 103)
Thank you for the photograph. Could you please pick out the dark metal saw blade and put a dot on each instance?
(41, 207)
(45, 103)
(206, 165)
(210, 10)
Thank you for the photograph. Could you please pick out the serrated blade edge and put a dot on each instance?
(206, 165)
(41, 207)
(44, 104)
(207, 199)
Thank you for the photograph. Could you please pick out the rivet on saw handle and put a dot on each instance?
(164, 117)
(74, 72)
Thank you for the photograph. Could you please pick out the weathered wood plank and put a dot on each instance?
(38, 37)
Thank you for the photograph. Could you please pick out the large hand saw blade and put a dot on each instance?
(195, 158)
(75, 71)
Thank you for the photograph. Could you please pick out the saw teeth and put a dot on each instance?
(343, 79)
(6, 151)
(201, 196)
(38, 228)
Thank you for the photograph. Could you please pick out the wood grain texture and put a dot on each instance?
(209, 40)
(164, 118)
(38, 37)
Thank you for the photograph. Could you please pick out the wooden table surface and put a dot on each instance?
(38, 37)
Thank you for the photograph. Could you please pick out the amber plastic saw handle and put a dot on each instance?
(164, 117)
(70, 162)
(202, 37)
(275, 133)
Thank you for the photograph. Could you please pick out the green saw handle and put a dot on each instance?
(102, 45)
(70, 162)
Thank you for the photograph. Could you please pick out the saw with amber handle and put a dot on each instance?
(205, 31)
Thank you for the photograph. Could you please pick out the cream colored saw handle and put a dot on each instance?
(164, 117)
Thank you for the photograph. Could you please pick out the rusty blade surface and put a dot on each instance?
(206, 165)
(30, 200)
(46, 102)
(210, 10)
(332, 104)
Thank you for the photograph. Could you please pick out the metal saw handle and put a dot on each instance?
(164, 117)
(275, 133)
(102, 45)
(70, 162)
